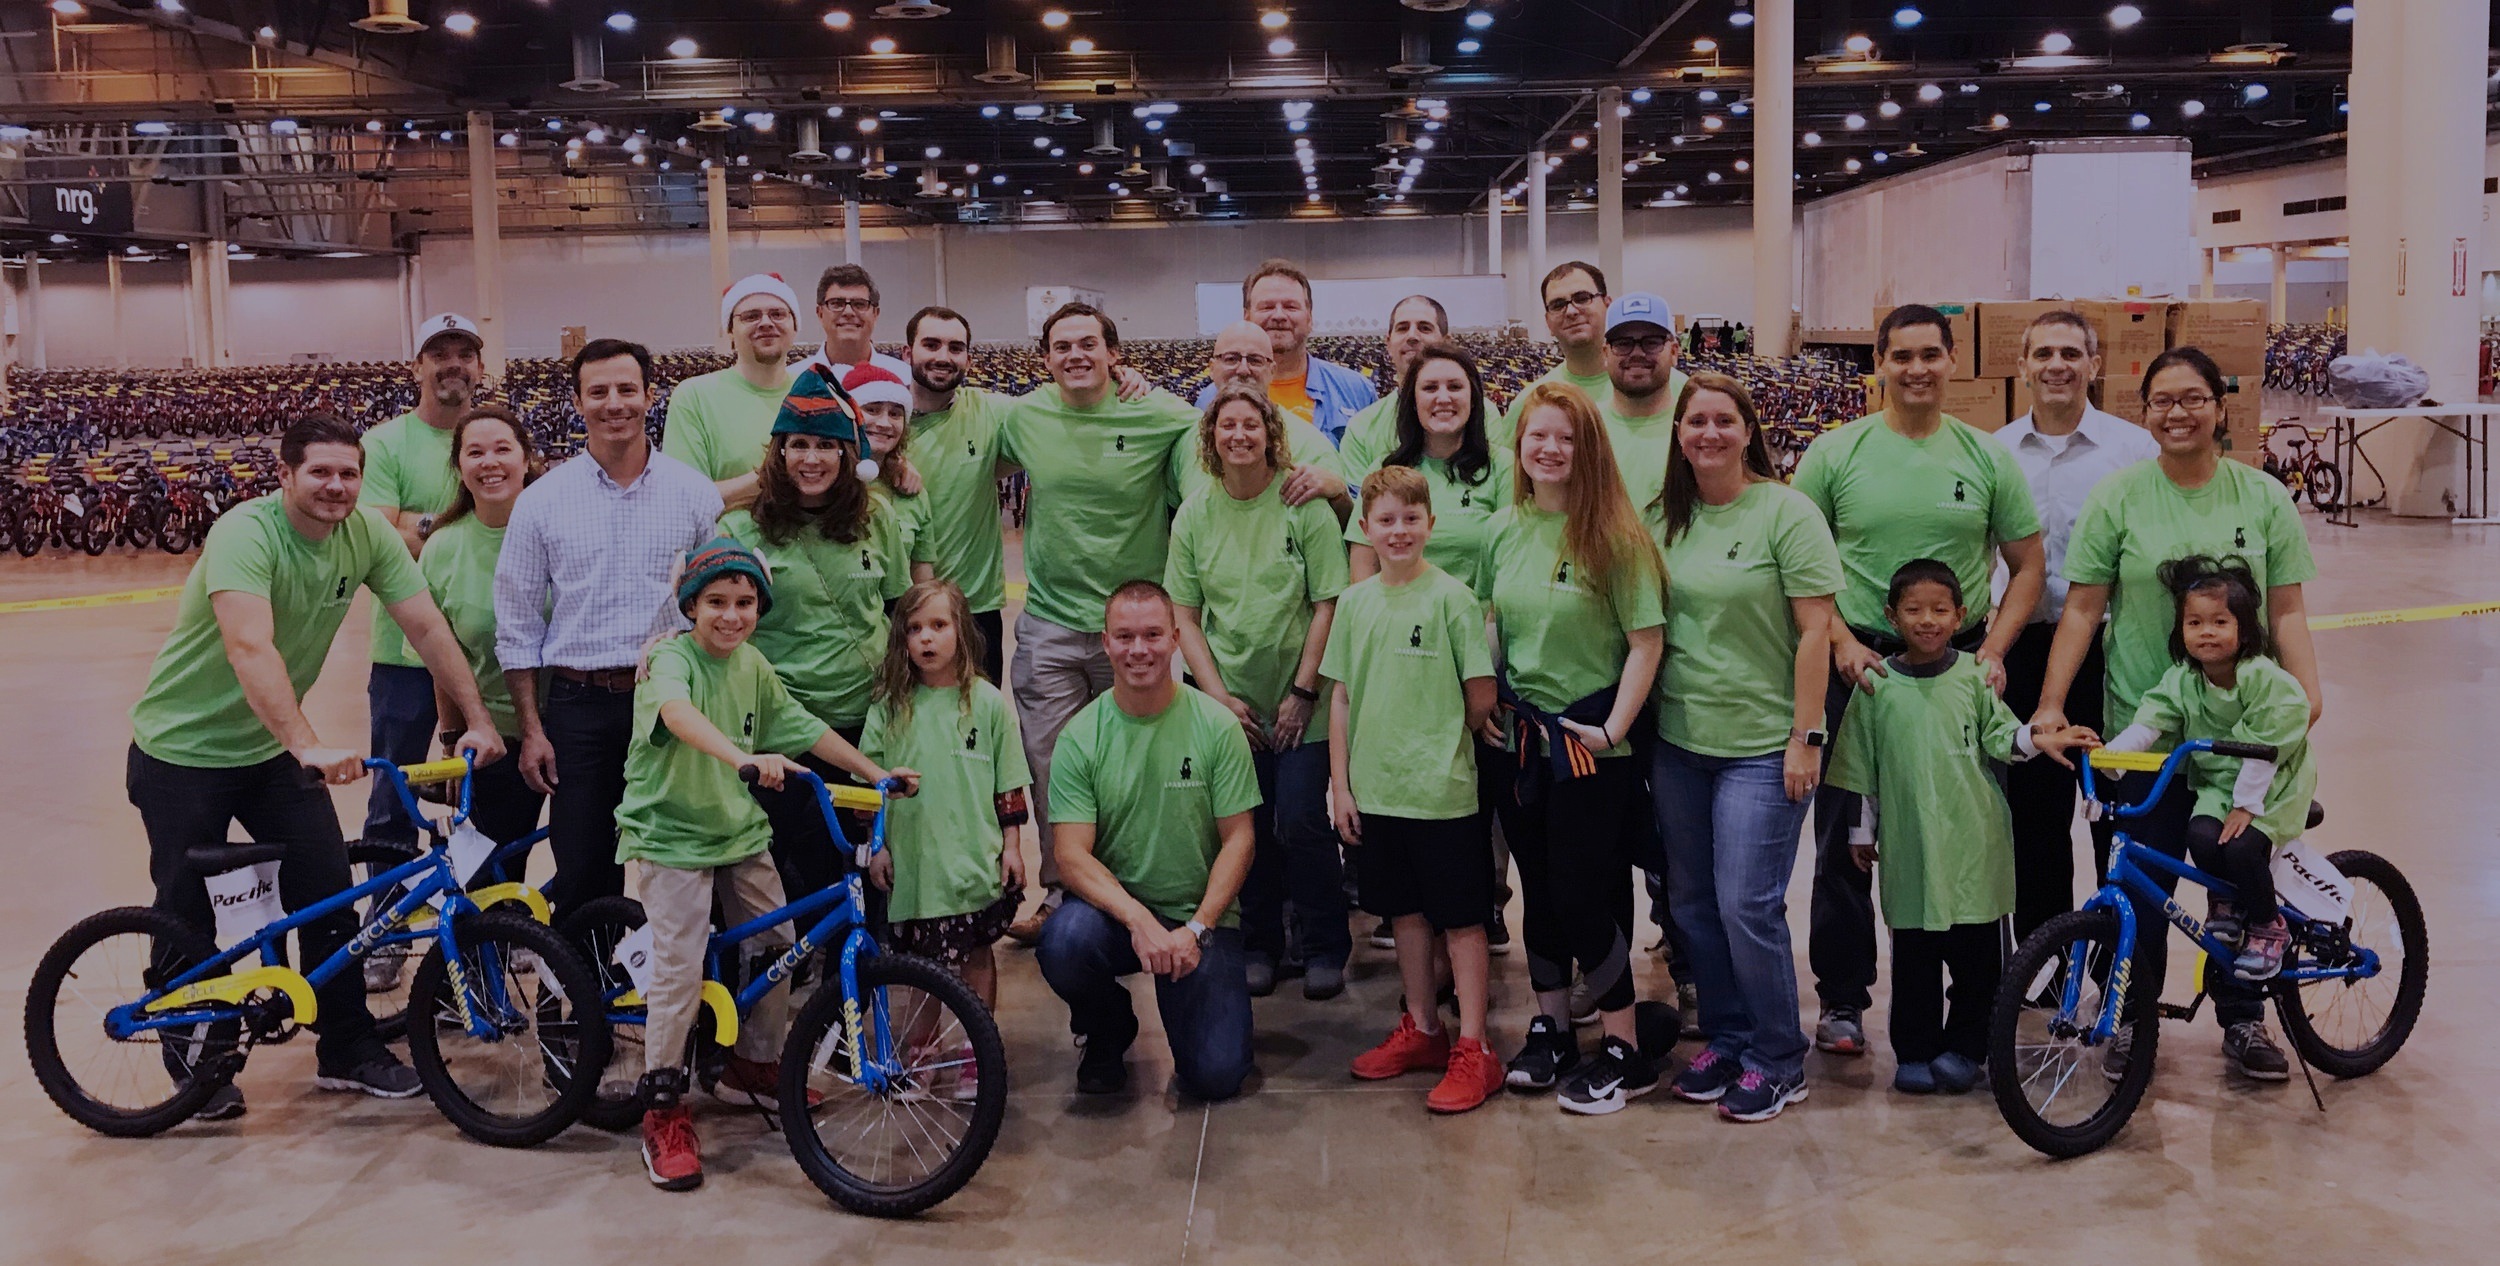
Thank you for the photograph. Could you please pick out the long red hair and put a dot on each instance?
(1600, 529)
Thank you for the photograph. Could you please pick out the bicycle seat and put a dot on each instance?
(380, 853)
(217, 859)
(2317, 814)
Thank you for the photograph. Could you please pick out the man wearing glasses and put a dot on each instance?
(1641, 374)
(846, 310)
(1241, 355)
(1574, 295)
(719, 422)
(1276, 297)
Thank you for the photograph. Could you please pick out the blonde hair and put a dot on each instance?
(897, 678)
(1600, 529)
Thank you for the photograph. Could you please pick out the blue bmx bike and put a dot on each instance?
(2071, 1044)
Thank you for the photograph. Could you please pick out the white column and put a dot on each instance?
(220, 321)
(34, 311)
(850, 230)
(937, 256)
(1493, 229)
(2205, 285)
(716, 221)
(1536, 239)
(113, 284)
(1774, 158)
(194, 299)
(1610, 188)
(2282, 294)
(486, 239)
(2415, 174)
(408, 314)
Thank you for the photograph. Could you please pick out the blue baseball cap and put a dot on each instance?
(1639, 308)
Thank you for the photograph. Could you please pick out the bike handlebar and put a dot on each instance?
(405, 778)
(2163, 764)
(829, 798)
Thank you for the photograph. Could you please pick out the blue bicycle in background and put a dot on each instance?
(2348, 996)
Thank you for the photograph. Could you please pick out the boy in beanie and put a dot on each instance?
(710, 706)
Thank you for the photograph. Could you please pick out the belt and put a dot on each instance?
(619, 680)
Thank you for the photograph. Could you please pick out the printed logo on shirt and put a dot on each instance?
(2239, 538)
(1119, 443)
(867, 566)
(1187, 779)
(1961, 498)
(969, 451)
(1466, 498)
(750, 725)
(1293, 548)
(972, 747)
(340, 593)
(1562, 576)
(1415, 645)
(1731, 550)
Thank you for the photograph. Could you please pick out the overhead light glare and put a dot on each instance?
(2125, 15)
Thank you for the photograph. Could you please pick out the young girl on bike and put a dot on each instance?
(2227, 685)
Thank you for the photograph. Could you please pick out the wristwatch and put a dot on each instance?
(1201, 931)
(1306, 696)
(1811, 738)
(425, 527)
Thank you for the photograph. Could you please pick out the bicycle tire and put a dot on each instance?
(176, 945)
(2367, 870)
(582, 1036)
(592, 931)
(140, 529)
(174, 534)
(2049, 948)
(32, 532)
(2324, 486)
(95, 530)
(814, 1031)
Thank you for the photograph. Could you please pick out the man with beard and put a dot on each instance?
(719, 422)
(1415, 323)
(954, 447)
(1640, 370)
(1241, 355)
(1276, 297)
(1573, 295)
(846, 310)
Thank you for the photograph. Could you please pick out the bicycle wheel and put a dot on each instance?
(2351, 1028)
(895, 1152)
(522, 1086)
(2325, 486)
(593, 931)
(130, 1088)
(140, 528)
(2051, 1081)
(173, 535)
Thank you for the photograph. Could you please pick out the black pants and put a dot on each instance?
(502, 805)
(2041, 792)
(2165, 831)
(1575, 855)
(1922, 1027)
(278, 802)
(803, 849)
(590, 728)
(993, 628)
(2247, 861)
(1840, 920)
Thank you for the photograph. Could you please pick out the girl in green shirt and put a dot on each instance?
(496, 458)
(885, 430)
(1440, 430)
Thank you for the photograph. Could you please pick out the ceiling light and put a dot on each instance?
(1858, 44)
(1999, 121)
(1930, 92)
(1852, 166)
(1741, 107)
(1041, 142)
(2253, 93)
(867, 124)
(553, 125)
(1080, 45)
(2139, 121)
(1640, 95)
(881, 45)
(933, 152)
(1054, 19)
(284, 127)
(1280, 46)
(169, 6)
(1906, 17)
(620, 22)
(1707, 96)
(2342, 13)
(2125, 15)
(838, 19)
(1970, 90)
(1854, 122)
(842, 153)
(1712, 123)
(2191, 107)
(1888, 108)
(2056, 42)
(1580, 141)
(1275, 19)
(682, 46)
(1880, 156)
(266, 35)
(1479, 20)
(456, 23)
(152, 129)
(1714, 178)
(1742, 17)
(1811, 138)
(2039, 107)
(1085, 169)
(1744, 165)
(1623, 112)
(69, 8)
(1057, 151)
(1471, 45)
(1705, 45)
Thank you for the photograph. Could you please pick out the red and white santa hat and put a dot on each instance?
(756, 284)
(868, 384)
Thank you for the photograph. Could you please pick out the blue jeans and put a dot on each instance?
(1296, 862)
(1731, 837)
(401, 700)
(1206, 1014)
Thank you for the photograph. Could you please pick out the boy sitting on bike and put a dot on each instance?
(710, 705)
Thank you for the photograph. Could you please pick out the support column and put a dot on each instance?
(34, 312)
(194, 305)
(2282, 294)
(850, 230)
(486, 240)
(1610, 188)
(1493, 249)
(220, 318)
(937, 256)
(113, 284)
(1536, 238)
(1774, 187)
(2414, 172)
(2205, 285)
(716, 221)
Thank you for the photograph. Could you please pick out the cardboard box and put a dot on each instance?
(2232, 331)
(2240, 440)
(2132, 333)
(1980, 402)
(1963, 318)
(2001, 326)
(2118, 396)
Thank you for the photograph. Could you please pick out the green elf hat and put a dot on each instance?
(720, 557)
(817, 407)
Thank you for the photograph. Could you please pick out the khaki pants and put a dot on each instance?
(1057, 671)
(678, 905)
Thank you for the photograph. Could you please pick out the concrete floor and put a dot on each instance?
(1311, 1167)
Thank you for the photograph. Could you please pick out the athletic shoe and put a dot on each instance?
(755, 1084)
(671, 1154)
(1027, 931)
(1549, 1052)
(382, 971)
(1474, 1074)
(2114, 1056)
(1583, 1004)
(967, 1072)
(2222, 921)
(1840, 1032)
(381, 1075)
(224, 1105)
(1915, 1078)
(1407, 1049)
(2251, 1052)
(1706, 1078)
(1322, 981)
(1954, 1074)
(1104, 1068)
(2261, 951)
(1383, 936)
(1615, 1076)
(1260, 971)
(1496, 935)
(1759, 1097)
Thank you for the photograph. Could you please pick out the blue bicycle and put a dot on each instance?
(893, 1077)
(2348, 996)
(134, 1019)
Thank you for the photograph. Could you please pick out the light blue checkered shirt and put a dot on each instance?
(588, 569)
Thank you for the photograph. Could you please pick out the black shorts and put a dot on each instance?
(1442, 870)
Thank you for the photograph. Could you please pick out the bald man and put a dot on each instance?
(1244, 355)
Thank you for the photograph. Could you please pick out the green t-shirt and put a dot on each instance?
(1405, 654)
(946, 838)
(1922, 746)
(1562, 641)
(193, 712)
(1504, 430)
(1641, 446)
(827, 630)
(2136, 519)
(1253, 569)
(1306, 444)
(1103, 480)
(1369, 435)
(459, 567)
(1461, 513)
(1154, 788)
(2266, 705)
(685, 809)
(911, 521)
(1952, 497)
(956, 453)
(720, 424)
(408, 466)
(1728, 684)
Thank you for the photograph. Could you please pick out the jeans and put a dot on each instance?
(1574, 850)
(1057, 670)
(277, 802)
(590, 728)
(401, 700)
(1974, 955)
(1206, 1014)
(1296, 861)
(1731, 834)
(2165, 831)
(2041, 792)
(502, 804)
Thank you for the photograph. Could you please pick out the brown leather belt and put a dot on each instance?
(620, 680)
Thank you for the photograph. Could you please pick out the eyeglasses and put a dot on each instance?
(1649, 343)
(849, 305)
(1235, 360)
(1581, 299)
(2193, 402)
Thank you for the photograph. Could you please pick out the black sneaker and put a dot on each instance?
(225, 1105)
(1104, 1068)
(1759, 1097)
(380, 1075)
(1549, 1052)
(1497, 935)
(1613, 1077)
(1707, 1078)
(2250, 1051)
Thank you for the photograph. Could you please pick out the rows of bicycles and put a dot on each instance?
(141, 498)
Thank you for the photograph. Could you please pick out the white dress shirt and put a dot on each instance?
(589, 569)
(2062, 473)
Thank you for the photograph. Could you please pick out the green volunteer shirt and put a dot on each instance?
(193, 711)
(911, 520)
(1728, 684)
(2265, 704)
(1561, 640)
(946, 838)
(1154, 788)
(408, 466)
(826, 632)
(1952, 497)
(956, 452)
(1253, 569)
(1641, 446)
(1306, 444)
(687, 810)
(719, 423)
(1504, 430)
(1405, 653)
(459, 567)
(1922, 746)
(1103, 479)
(2136, 519)
(1369, 435)
(1461, 512)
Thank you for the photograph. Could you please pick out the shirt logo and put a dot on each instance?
(2239, 538)
(1186, 779)
(1415, 645)
(972, 737)
(968, 451)
(866, 563)
(1958, 493)
(750, 725)
(340, 594)
(1466, 498)
(1119, 443)
(1293, 548)
(1731, 551)
(1562, 574)
(1416, 638)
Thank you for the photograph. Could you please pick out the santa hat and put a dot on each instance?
(868, 383)
(756, 284)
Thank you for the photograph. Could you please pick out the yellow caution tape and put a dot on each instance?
(120, 598)
(2404, 615)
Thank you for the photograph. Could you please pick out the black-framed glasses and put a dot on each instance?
(1580, 299)
(848, 305)
(1649, 343)
(2193, 402)
(1235, 360)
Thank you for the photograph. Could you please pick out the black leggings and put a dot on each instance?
(1973, 954)
(1574, 851)
(2247, 861)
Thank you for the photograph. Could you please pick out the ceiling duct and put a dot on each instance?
(1435, 6)
(710, 121)
(1414, 48)
(388, 17)
(872, 163)
(912, 9)
(810, 140)
(1404, 109)
(931, 187)
(1001, 46)
(1395, 142)
(1136, 168)
(1064, 116)
(1162, 184)
(1105, 145)
(590, 65)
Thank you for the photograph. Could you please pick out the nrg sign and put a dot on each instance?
(88, 207)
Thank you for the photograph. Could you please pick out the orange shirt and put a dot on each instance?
(1292, 395)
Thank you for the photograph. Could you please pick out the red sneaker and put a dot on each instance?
(1408, 1050)
(755, 1083)
(1474, 1074)
(670, 1152)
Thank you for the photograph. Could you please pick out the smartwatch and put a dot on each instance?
(425, 527)
(1199, 930)
(1306, 696)
(1811, 738)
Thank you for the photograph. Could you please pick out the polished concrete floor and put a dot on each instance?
(1311, 1167)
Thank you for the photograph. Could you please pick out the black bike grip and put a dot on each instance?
(2246, 751)
(749, 774)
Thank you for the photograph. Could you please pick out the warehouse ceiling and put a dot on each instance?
(343, 124)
